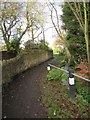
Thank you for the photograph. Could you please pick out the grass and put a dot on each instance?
(83, 90)
(56, 99)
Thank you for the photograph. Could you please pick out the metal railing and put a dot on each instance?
(71, 79)
(68, 72)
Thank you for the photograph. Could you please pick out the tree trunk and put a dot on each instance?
(60, 33)
(43, 35)
(32, 34)
(86, 33)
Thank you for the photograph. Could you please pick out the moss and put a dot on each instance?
(22, 62)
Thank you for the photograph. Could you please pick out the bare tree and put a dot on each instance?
(58, 28)
(10, 21)
(36, 18)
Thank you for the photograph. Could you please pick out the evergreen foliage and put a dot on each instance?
(75, 35)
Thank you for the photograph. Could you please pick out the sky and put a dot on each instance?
(51, 33)
(43, 1)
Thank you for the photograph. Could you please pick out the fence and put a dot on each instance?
(71, 79)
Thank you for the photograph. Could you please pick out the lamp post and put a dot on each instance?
(71, 85)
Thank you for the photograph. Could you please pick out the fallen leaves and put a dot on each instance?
(84, 72)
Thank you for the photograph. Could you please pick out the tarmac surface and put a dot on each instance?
(21, 98)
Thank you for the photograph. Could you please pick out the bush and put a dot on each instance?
(43, 46)
(61, 59)
(54, 74)
(15, 45)
(57, 75)
(72, 63)
(78, 51)
(82, 90)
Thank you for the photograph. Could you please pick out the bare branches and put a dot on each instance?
(57, 27)
(44, 31)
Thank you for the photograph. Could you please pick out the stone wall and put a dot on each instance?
(22, 62)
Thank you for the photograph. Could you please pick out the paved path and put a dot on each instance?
(21, 99)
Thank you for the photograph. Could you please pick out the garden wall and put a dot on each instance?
(22, 62)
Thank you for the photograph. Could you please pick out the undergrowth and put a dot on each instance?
(56, 74)
(56, 97)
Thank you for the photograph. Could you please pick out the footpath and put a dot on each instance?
(21, 98)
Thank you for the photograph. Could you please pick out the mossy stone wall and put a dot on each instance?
(22, 62)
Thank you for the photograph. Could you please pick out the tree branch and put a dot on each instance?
(76, 15)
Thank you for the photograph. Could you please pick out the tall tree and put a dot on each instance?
(57, 27)
(84, 23)
(75, 35)
(11, 22)
(36, 18)
(8, 20)
(18, 18)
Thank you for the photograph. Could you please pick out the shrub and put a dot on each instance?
(15, 45)
(43, 46)
(61, 59)
(56, 74)
(82, 90)
(72, 63)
